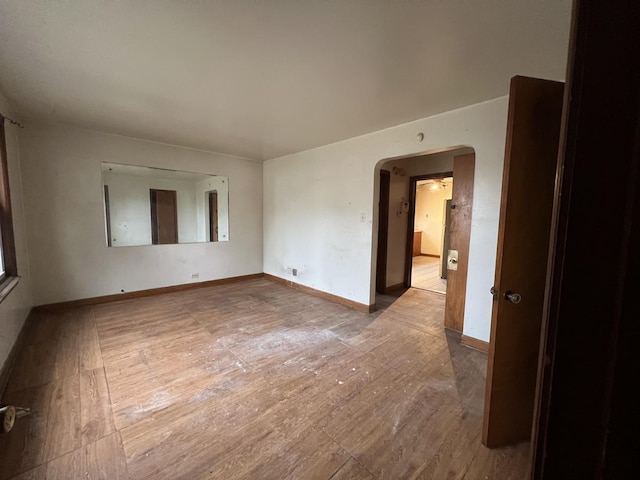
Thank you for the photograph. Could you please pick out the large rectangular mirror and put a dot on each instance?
(153, 206)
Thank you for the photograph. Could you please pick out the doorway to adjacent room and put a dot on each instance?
(431, 233)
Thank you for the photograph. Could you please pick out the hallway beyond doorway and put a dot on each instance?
(425, 274)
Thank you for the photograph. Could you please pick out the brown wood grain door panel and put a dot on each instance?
(383, 232)
(164, 217)
(213, 216)
(533, 131)
(107, 215)
(459, 235)
(445, 240)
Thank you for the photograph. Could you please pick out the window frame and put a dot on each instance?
(7, 239)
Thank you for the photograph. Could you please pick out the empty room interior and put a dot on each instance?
(257, 239)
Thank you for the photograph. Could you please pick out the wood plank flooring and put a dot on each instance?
(252, 380)
(425, 274)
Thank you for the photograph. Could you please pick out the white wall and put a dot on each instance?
(314, 202)
(130, 208)
(64, 213)
(15, 307)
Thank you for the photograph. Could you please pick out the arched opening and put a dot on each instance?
(416, 217)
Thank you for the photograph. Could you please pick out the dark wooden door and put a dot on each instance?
(213, 216)
(107, 214)
(164, 217)
(533, 131)
(445, 239)
(459, 235)
(383, 232)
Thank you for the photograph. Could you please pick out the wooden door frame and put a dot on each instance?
(213, 232)
(446, 239)
(411, 220)
(587, 422)
(383, 234)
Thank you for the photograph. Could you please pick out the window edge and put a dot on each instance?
(7, 285)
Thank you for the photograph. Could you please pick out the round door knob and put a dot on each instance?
(8, 417)
(512, 297)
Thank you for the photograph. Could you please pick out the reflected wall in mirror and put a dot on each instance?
(152, 206)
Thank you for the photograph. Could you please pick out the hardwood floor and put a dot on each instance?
(250, 381)
(425, 274)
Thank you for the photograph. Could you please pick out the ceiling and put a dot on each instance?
(435, 183)
(260, 79)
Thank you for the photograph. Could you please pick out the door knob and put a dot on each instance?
(494, 292)
(512, 297)
(452, 260)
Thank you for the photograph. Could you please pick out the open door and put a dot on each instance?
(533, 131)
(383, 232)
(107, 214)
(213, 216)
(446, 234)
(459, 235)
(164, 217)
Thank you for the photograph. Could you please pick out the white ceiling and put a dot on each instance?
(260, 79)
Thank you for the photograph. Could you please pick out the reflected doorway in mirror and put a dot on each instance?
(201, 205)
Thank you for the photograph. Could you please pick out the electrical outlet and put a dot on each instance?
(195, 275)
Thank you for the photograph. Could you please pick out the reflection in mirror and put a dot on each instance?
(152, 206)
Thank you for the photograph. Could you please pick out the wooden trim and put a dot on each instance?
(474, 343)
(587, 421)
(361, 307)
(429, 255)
(411, 223)
(52, 307)
(383, 231)
(7, 239)
(154, 216)
(7, 286)
(393, 288)
(547, 338)
(107, 214)
(9, 363)
(413, 182)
